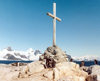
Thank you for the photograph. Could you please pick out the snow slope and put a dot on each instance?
(87, 58)
(9, 54)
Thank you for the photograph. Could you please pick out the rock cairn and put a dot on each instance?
(53, 55)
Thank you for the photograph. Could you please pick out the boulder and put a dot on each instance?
(49, 74)
(31, 68)
(92, 78)
(35, 67)
(93, 71)
(72, 78)
(68, 69)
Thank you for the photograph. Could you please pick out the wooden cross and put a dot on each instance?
(54, 22)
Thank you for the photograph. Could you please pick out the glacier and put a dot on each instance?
(9, 54)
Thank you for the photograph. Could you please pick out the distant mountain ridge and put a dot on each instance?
(9, 54)
(30, 54)
(87, 58)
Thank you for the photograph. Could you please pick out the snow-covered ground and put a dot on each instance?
(87, 58)
(30, 54)
(9, 54)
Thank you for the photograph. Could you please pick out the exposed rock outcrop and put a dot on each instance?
(11, 57)
(64, 70)
(93, 71)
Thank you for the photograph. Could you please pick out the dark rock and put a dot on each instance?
(22, 56)
(91, 78)
(37, 52)
(11, 57)
(9, 49)
(18, 64)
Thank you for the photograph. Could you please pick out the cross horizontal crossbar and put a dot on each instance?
(49, 14)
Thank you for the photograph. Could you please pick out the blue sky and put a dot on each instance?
(24, 24)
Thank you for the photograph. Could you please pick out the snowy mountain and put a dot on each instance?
(30, 54)
(9, 54)
(87, 58)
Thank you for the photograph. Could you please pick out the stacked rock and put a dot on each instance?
(53, 55)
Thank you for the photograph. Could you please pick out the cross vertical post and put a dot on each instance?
(54, 22)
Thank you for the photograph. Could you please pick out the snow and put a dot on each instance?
(87, 58)
(23, 55)
(31, 54)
